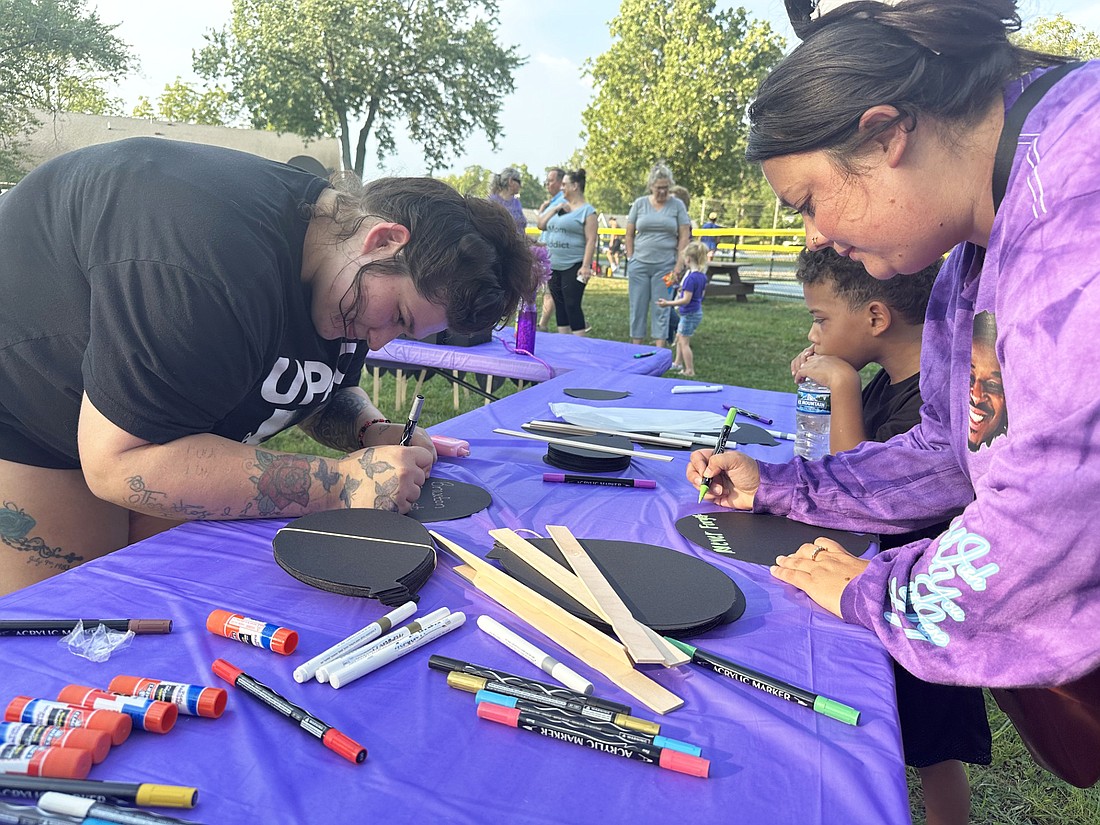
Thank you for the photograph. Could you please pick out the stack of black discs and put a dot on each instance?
(580, 460)
(369, 553)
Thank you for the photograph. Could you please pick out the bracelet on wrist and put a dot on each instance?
(367, 426)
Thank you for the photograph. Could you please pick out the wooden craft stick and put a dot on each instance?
(569, 583)
(599, 448)
(562, 627)
(626, 627)
(641, 438)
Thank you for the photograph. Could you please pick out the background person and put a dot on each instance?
(554, 177)
(689, 304)
(657, 228)
(504, 189)
(615, 247)
(890, 161)
(569, 234)
(711, 241)
(170, 306)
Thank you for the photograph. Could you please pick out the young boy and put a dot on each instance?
(858, 320)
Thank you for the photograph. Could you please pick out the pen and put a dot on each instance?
(565, 478)
(329, 736)
(747, 414)
(769, 684)
(719, 448)
(59, 627)
(85, 809)
(539, 658)
(687, 388)
(644, 354)
(361, 637)
(132, 793)
(414, 416)
(25, 815)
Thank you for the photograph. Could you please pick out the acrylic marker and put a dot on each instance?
(131, 793)
(414, 416)
(44, 712)
(348, 674)
(96, 742)
(540, 659)
(680, 389)
(329, 736)
(447, 665)
(60, 627)
(628, 736)
(566, 478)
(565, 732)
(252, 631)
(42, 760)
(360, 653)
(85, 809)
(781, 435)
(472, 684)
(747, 414)
(304, 673)
(645, 354)
(151, 715)
(194, 700)
(769, 684)
(719, 448)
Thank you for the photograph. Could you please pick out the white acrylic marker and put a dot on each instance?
(682, 388)
(349, 674)
(543, 661)
(369, 649)
(304, 673)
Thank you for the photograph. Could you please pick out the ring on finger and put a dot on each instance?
(817, 549)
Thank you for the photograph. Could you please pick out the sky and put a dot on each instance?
(541, 118)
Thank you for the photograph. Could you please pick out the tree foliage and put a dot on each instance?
(475, 180)
(673, 86)
(1057, 35)
(54, 54)
(184, 103)
(313, 67)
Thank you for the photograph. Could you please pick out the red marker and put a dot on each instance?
(329, 736)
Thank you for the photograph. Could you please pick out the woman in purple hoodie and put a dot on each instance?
(883, 129)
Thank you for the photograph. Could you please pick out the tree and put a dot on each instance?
(474, 180)
(674, 86)
(312, 67)
(1057, 35)
(183, 103)
(53, 56)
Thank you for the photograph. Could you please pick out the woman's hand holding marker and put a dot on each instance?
(734, 477)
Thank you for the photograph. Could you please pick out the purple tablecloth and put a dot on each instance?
(431, 760)
(555, 354)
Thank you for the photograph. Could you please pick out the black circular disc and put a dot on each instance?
(758, 538)
(596, 394)
(442, 499)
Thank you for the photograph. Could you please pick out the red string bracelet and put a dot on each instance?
(367, 426)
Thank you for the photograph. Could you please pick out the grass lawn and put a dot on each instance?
(751, 344)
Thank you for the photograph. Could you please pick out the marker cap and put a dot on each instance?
(466, 681)
(166, 796)
(226, 670)
(634, 723)
(498, 713)
(67, 804)
(344, 745)
(66, 763)
(685, 763)
(836, 710)
(150, 626)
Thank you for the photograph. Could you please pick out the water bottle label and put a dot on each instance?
(814, 403)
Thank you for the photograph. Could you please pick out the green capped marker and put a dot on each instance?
(719, 448)
(822, 704)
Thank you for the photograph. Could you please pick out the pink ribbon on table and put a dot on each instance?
(508, 345)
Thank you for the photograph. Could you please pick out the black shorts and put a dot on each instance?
(941, 722)
(18, 446)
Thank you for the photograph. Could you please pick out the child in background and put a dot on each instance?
(858, 320)
(689, 304)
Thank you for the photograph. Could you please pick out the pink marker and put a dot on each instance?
(454, 447)
(600, 481)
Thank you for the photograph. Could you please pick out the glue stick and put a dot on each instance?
(151, 715)
(194, 700)
(252, 631)
(45, 712)
(96, 742)
(38, 760)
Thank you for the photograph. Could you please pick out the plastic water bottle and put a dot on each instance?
(812, 413)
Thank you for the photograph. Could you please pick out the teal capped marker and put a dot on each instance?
(822, 704)
(719, 448)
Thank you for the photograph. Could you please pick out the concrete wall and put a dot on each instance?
(67, 131)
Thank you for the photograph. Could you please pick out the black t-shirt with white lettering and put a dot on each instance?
(164, 280)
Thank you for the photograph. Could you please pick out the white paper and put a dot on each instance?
(639, 420)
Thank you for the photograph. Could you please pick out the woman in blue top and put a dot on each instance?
(569, 233)
(657, 229)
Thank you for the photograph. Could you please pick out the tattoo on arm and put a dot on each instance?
(283, 480)
(370, 466)
(385, 496)
(336, 425)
